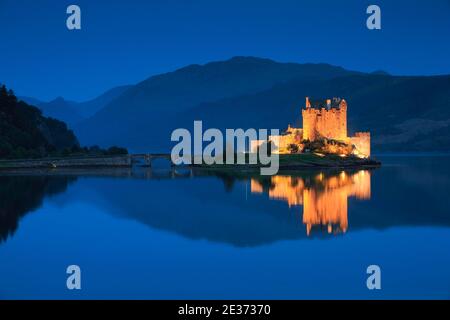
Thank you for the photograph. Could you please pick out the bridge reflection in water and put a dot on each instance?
(324, 197)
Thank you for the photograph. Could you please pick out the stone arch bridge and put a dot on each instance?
(147, 158)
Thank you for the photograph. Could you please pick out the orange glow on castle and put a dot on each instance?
(324, 121)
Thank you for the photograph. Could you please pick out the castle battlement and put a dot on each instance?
(327, 104)
(362, 134)
(325, 119)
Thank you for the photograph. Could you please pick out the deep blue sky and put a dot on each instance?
(124, 42)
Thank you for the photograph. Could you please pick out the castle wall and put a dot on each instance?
(293, 136)
(328, 123)
(361, 140)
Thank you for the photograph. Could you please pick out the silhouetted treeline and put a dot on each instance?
(26, 133)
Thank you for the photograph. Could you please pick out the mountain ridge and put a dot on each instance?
(403, 113)
(72, 112)
(168, 94)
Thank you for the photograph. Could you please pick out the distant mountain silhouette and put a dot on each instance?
(30, 100)
(73, 112)
(143, 117)
(63, 110)
(403, 113)
(90, 107)
(380, 73)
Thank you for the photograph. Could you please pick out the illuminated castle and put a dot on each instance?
(324, 120)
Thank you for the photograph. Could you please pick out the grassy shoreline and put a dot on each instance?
(67, 162)
(286, 162)
(302, 161)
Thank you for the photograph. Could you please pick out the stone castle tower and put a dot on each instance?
(321, 119)
(325, 118)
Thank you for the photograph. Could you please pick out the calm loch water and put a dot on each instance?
(160, 234)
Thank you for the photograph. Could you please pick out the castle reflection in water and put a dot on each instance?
(324, 197)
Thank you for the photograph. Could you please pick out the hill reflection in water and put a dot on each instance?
(21, 195)
(202, 207)
(242, 209)
(142, 233)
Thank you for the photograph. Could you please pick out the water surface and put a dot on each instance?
(183, 234)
